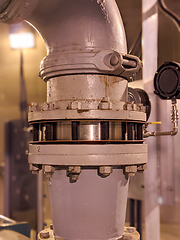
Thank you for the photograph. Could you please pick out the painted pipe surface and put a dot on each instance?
(91, 208)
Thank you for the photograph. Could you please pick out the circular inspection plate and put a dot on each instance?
(167, 81)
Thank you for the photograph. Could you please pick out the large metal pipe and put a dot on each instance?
(92, 208)
(86, 70)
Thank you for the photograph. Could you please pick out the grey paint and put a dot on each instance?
(88, 155)
(91, 208)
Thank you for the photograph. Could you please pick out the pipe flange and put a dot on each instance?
(88, 155)
(130, 233)
(86, 114)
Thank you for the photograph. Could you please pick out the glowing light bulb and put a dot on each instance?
(22, 40)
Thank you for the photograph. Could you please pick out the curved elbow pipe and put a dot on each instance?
(81, 36)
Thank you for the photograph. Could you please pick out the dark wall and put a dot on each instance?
(169, 36)
(131, 14)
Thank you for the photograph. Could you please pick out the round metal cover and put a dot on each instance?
(167, 81)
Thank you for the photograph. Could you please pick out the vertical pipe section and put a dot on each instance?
(150, 54)
(40, 202)
(91, 208)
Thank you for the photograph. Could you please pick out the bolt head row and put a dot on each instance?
(134, 107)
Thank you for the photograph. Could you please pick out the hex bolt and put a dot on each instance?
(35, 169)
(75, 105)
(105, 104)
(131, 170)
(74, 169)
(51, 106)
(141, 107)
(51, 226)
(127, 237)
(130, 106)
(48, 170)
(105, 171)
(73, 173)
(114, 59)
(74, 178)
(44, 235)
(105, 99)
(131, 229)
(141, 168)
(33, 107)
(45, 106)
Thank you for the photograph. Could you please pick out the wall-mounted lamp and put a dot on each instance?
(21, 36)
(21, 40)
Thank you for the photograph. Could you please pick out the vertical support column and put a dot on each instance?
(150, 54)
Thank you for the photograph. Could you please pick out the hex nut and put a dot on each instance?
(142, 167)
(114, 61)
(34, 169)
(75, 105)
(131, 174)
(130, 234)
(33, 107)
(74, 178)
(44, 235)
(74, 169)
(51, 106)
(130, 229)
(105, 171)
(73, 173)
(130, 106)
(45, 106)
(105, 104)
(141, 107)
(131, 169)
(56, 105)
(127, 237)
(48, 170)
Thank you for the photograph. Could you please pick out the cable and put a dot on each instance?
(170, 13)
